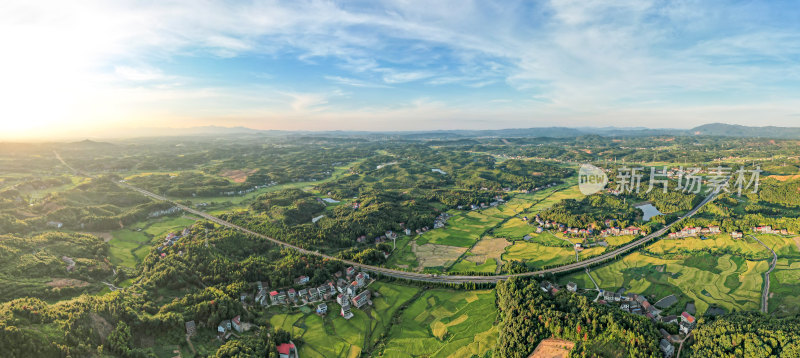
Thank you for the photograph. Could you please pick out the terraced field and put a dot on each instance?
(444, 323)
(727, 281)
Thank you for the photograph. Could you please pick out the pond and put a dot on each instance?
(649, 211)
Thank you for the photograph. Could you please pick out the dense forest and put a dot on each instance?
(529, 315)
(747, 335)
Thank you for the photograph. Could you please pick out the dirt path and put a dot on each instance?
(765, 292)
(681, 346)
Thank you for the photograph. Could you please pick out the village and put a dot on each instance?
(348, 291)
(639, 305)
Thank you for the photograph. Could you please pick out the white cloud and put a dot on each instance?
(139, 74)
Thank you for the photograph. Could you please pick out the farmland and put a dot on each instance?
(726, 281)
(444, 323)
(129, 246)
(537, 255)
(714, 244)
(479, 232)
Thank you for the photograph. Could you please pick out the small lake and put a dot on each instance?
(649, 211)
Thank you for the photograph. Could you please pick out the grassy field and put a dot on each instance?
(444, 323)
(726, 281)
(333, 336)
(126, 245)
(129, 246)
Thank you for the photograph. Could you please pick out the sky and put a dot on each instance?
(92, 67)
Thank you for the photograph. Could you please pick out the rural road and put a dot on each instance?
(433, 277)
(421, 277)
(765, 293)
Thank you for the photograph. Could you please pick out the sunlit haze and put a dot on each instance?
(101, 68)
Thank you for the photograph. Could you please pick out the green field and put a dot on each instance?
(444, 323)
(126, 246)
(726, 281)
(129, 246)
(463, 229)
(784, 286)
(333, 336)
(785, 279)
(537, 256)
(714, 244)
(490, 265)
(402, 256)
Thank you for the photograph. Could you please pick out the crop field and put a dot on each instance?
(161, 228)
(467, 265)
(618, 240)
(126, 246)
(726, 281)
(475, 230)
(129, 246)
(439, 256)
(591, 252)
(483, 257)
(714, 244)
(403, 256)
(444, 323)
(537, 256)
(785, 279)
(463, 229)
(333, 336)
(784, 285)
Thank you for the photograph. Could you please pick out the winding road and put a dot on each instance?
(765, 292)
(434, 277)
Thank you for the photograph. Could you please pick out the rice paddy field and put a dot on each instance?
(466, 265)
(714, 244)
(785, 279)
(445, 323)
(725, 281)
(537, 255)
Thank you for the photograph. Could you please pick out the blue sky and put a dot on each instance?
(398, 65)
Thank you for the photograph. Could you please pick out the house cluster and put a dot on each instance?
(616, 231)
(609, 231)
(55, 224)
(164, 212)
(691, 231)
(226, 327)
(769, 230)
(441, 220)
(348, 290)
(172, 238)
(388, 235)
(639, 305)
(526, 191)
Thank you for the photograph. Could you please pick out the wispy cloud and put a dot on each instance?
(354, 82)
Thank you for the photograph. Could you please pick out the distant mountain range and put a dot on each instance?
(733, 130)
(714, 129)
